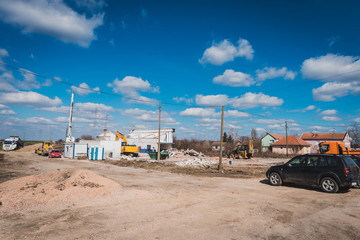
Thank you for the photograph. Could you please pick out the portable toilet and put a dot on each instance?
(96, 153)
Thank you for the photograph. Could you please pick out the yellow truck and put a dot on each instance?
(131, 150)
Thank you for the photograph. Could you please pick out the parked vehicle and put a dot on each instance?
(54, 153)
(12, 143)
(329, 172)
(243, 150)
(337, 148)
(356, 159)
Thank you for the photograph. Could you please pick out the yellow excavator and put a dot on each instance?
(243, 150)
(131, 150)
(45, 148)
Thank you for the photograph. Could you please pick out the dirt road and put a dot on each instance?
(162, 205)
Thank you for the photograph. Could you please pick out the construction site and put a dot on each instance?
(178, 120)
(182, 196)
(143, 185)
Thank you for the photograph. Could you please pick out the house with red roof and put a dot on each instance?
(295, 145)
(315, 138)
(269, 139)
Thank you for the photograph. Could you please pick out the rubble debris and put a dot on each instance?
(196, 162)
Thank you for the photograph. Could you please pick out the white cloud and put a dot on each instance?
(269, 121)
(51, 17)
(253, 100)
(6, 81)
(91, 5)
(225, 51)
(30, 99)
(74, 119)
(90, 107)
(332, 68)
(3, 53)
(316, 128)
(84, 89)
(357, 120)
(329, 112)
(236, 114)
(130, 86)
(309, 108)
(61, 109)
(234, 79)
(149, 116)
(2, 106)
(186, 130)
(7, 112)
(331, 118)
(183, 99)
(39, 120)
(329, 91)
(276, 127)
(211, 100)
(270, 73)
(341, 74)
(198, 112)
(260, 130)
(212, 121)
(29, 81)
(47, 83)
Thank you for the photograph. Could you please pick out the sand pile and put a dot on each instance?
(53, 189)
(29, 148)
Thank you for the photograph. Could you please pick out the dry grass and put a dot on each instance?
(246, 171)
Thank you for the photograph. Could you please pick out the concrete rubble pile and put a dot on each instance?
(196, 162)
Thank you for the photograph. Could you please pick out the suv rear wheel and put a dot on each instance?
(329, 185)
(275, 179)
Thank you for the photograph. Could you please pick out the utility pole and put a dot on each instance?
(158, 155)
(220, 167)
(286, 127)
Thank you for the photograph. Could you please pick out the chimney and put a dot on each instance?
(105, 131)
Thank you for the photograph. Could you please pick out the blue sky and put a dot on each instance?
(267, 61)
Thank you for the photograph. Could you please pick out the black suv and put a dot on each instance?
(329, 172)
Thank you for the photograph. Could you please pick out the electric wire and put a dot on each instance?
(176, 104)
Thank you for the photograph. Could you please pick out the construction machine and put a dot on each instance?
(45, 148)
(131, 150)
(243, 150)
(337, 148)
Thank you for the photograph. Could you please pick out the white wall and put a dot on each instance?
(143, 138)
(112, 149)
(291, 150)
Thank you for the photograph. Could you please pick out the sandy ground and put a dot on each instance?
(153, 204)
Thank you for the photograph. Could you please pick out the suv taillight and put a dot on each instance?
(346, 171)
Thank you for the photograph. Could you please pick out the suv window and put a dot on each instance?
(297, 161)
(322, 162)
(312, 161)
(332, 161)
(349, 162)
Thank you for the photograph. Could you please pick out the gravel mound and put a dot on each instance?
(54, 189)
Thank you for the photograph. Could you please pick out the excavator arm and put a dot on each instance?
(120, 136)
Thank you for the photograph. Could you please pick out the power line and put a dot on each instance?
(98, 91)
(173, 104)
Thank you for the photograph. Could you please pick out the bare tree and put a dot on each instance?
(354, 133)
(86, 137)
